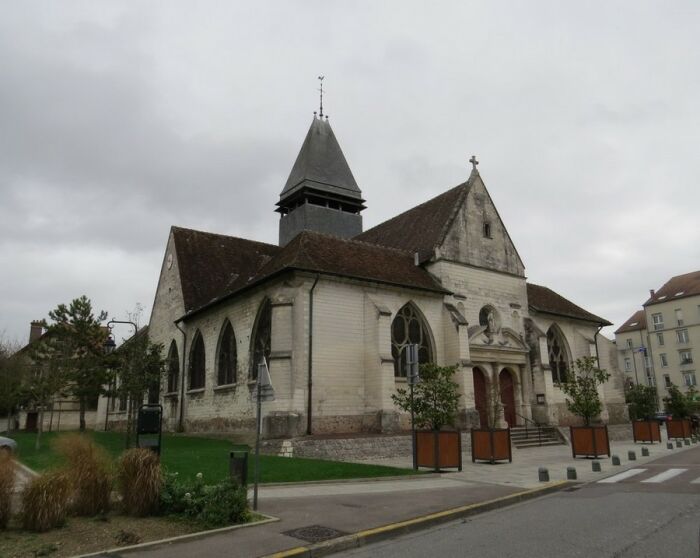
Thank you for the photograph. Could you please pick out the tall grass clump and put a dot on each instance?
(45, 502)
(7, 482)
(88, 470)
(139, 480)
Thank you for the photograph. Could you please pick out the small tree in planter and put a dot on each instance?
(434, 405)
(679, 405)
(641, 405)
(490, 442)
(583, 400)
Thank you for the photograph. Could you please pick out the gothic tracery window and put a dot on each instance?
(408, 328)
(173, 367)
(227, 358)
(558, 358)
(262, 337)
(197, 362)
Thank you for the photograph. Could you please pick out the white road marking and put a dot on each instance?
(663, 477)
(623, 476)
(696, 481)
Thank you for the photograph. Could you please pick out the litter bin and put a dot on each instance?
(238, 467)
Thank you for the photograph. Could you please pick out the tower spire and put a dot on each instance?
(320, 79)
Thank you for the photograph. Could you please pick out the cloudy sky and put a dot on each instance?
(118, 120)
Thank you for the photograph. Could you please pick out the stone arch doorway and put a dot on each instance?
(505, 379)
(480, 400)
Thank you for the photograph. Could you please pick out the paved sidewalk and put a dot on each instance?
(354, 506)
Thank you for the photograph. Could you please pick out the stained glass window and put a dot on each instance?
(261, 338)
(197, 362)
(227, 356)
(408, 328)
(558, 359)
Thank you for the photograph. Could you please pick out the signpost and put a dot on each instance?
(412, 374)
(264, 392)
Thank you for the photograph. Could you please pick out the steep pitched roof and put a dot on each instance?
(637, 322)
(543, 299)
(679, 286)
(423, 227)
(213, 265)
(321, 165)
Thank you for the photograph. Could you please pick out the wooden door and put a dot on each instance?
(480, 396)
(507, 396)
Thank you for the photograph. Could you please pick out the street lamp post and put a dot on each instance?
(109, 346)
(264, 392)
(412, 368)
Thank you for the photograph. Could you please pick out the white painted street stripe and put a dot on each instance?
(662, 477)
(623, 476)
(696, 481)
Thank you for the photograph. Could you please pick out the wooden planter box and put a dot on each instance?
(438, 449)
(589, 441)
(491, 445)
(678, 428)
(646, 431)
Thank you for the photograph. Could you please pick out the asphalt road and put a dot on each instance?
(653, 511)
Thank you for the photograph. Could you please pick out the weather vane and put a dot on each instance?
(320, 79)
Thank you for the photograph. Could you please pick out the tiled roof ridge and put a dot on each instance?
(226, 236)
(357, 241)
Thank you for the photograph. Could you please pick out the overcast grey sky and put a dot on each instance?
(118, 120)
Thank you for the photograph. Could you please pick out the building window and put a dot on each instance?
(664, 360)
(629, 343)
(262, 338)
(227, 357)
(689, 379)
(487, 230)
(628, 365)
(197, 362)
(667, 381)
(558, 356)
(660, 339)
(651, 380)
(682, 335)
(686, 357)
(173, 367)
(658, 321)
(679, 317)
(409, 328)
(647, 362)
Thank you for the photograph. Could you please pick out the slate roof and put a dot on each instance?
(423, 227)
(214, 267)
(543, 299)
(680, 286)
(321, 165)
(637, 322)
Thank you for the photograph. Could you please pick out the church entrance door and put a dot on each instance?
(480, 396)
(505, 379)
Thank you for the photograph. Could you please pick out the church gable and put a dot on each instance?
(477, 236)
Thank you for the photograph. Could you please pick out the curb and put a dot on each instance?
(358, 480)
(377, 534)
(117, 551)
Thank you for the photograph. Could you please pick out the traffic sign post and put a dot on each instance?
(264, 392)
(413, 377)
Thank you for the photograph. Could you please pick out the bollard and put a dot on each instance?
(679, 444)
(645, 452)
(631, 455)
(615, 459)
(595, 466)
(543, 474)
(571, 473)
(669, 445)
(686, 442)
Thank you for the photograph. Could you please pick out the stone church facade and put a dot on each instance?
(332, 307)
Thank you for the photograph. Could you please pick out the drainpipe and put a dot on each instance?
(311, 354)
(180, 424)
(595, 342)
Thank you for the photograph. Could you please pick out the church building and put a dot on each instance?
(332, 307)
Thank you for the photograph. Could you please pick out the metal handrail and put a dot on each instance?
(537, 425)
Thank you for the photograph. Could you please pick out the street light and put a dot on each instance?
(412, 374)
(264, 392)
(109, 346)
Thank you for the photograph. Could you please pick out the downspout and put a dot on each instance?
(180, 424)
(595, 342)
(311, 354)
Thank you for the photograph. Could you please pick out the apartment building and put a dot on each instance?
(663, 339)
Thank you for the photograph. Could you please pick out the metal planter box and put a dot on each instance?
(646, 431)
(491, 445)
(589, 441)
(438, 449)
(678, 428)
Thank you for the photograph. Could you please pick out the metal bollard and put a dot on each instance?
(615, 459)
(543, 474)
(645, 452)
(686, 442)
(679, 444)
(571, 473)
(595, 466)
(631, 455)
(669, 445)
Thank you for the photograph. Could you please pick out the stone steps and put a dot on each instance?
(528, 438)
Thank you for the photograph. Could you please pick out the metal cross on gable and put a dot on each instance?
(320, 79)
(474, 162)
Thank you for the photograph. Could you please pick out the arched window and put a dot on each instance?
(558, 356)
(262, 336)
(197, 362)
(409, 328)
(226, 361)
(173, 367)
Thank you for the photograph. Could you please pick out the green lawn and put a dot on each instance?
(188, 456)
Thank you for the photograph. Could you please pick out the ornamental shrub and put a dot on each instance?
(139, 481)
(7, 483)
(641, 402)
(581, 389)
(45, 502)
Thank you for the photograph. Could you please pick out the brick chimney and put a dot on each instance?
(36, 330)
(652, 292)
